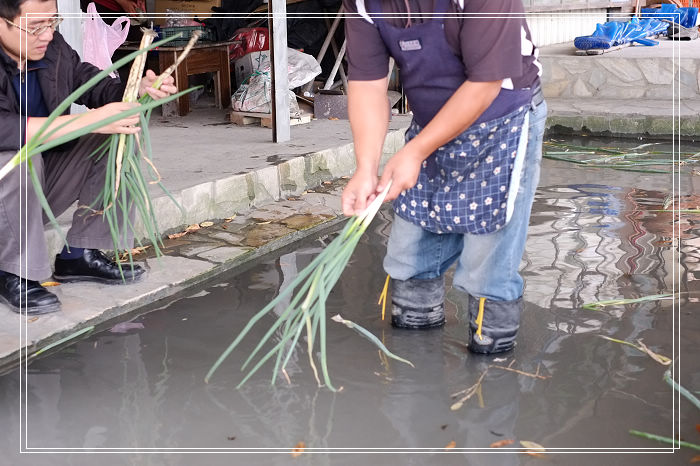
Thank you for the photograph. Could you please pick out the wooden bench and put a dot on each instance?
(205, 57)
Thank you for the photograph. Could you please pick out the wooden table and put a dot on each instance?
(205, 57)
(211, 57)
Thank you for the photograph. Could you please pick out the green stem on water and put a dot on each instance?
(64, 340)
(683, 391)
(662, 439)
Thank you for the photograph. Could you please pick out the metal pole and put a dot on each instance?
(277, 21)
(326, 43)
(341, 70)
(338, 62)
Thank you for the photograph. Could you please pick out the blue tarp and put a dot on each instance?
(615, 33)
(686, 17)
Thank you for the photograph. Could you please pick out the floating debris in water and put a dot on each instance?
(643, 348)
(298, 449)
(124, 327)
(502, 443)
(533, 449)
(527, 374)
(634, 159)
(467, 392)
(617, 302)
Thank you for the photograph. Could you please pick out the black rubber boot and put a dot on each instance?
(499, 327)
(418, 304)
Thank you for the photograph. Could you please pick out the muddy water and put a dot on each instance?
(140, 385)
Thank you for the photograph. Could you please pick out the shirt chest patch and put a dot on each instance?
(410, 45)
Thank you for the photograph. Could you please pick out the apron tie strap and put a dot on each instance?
(480, 317)
(382, 297)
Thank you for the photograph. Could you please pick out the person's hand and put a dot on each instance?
(130, 6)
(166, 88)
(124, 126)
(358, 193)
(403, 168)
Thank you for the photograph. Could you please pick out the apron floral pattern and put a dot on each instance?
(466, 185)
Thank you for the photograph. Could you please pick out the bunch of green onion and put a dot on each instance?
(307, 308)
(125, 184)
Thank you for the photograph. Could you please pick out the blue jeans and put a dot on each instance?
(487, 265)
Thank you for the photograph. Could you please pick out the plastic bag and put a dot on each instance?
(248, 40)
(100, 40)
(302, 68)
(256, 94)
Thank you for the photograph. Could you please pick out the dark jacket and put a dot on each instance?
(64, 73)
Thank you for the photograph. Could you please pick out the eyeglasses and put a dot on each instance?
(39, 30)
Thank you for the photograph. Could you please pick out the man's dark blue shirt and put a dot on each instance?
(32, 101)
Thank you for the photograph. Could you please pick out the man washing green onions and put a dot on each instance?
(38, 70)
(464, 183)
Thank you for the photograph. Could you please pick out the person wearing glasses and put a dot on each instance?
(464, 182)
(38, 70)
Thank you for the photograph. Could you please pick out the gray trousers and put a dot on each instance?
(67, 176)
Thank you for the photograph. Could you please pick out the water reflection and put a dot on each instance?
(592, 240)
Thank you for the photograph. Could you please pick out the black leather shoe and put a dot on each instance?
(35, 298)
(94, 266)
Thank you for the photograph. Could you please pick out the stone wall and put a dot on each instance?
(619, 78)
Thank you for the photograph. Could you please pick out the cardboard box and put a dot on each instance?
(199, 8)
(253, 61)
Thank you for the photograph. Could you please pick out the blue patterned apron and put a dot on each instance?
(469, 185)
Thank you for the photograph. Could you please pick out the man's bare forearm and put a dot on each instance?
(462, 109)
(368, 110)
(71, 123)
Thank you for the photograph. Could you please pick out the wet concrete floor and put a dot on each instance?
(594, 236)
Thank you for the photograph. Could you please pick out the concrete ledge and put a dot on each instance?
(620, 117)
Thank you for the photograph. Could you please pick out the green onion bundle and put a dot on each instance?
(307, 308)
(126, 185)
